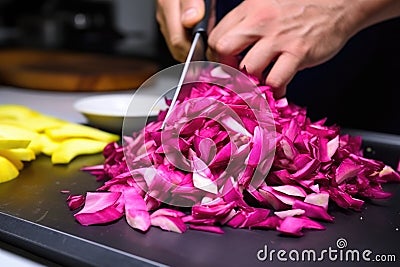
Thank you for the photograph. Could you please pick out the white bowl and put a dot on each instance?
(107, 112)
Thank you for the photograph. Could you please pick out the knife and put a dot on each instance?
(199, 31)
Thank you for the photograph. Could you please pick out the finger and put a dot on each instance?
(282, 72)
(175, 34)
(230, 38)
(227, 45)
(258, 58)
(192, 11)
(230, 60)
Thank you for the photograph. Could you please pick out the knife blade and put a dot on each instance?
(199, 31)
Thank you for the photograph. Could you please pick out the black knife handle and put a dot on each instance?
(201, 27)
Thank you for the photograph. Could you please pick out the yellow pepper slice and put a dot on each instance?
(12, 158)
(13, 143)
(16, 112)
(48, 144)
(71, 148)
(71, 130)
(7, 170)
(15, 132)
(24, 154)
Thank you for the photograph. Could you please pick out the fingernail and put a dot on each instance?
(189, 14)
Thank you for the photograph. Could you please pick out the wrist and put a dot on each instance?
(364, 13)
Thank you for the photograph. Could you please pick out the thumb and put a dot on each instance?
(192, 11)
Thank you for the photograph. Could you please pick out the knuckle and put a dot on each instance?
(160, 5)
(176, 41)
(177, 49)
(177, 54)
(275, 82)
(220, 46)
(160, 2)
(160, 11)
(159, 17)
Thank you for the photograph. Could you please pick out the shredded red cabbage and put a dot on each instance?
(313, 167)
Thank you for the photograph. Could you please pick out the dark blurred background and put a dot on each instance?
(359, 88)
(120, 27)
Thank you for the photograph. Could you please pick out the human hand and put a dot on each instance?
(290, 34)
(176, 18)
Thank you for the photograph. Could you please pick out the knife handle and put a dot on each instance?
(201, 26)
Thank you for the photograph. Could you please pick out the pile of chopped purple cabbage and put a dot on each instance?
(313, 169)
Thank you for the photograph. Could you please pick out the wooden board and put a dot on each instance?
(72, 71)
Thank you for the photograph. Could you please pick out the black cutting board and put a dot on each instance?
(34, 216)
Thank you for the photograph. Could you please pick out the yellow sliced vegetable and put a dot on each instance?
(13, 143)
(12, 158)
(71, 148)
(80, 131)
(16, 112)
(48, 144)
(7, 170)
(15, 132)
(24, 154)
(26, 133)
(36, 123)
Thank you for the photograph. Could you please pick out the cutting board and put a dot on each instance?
(34, 216)
(72, 71)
